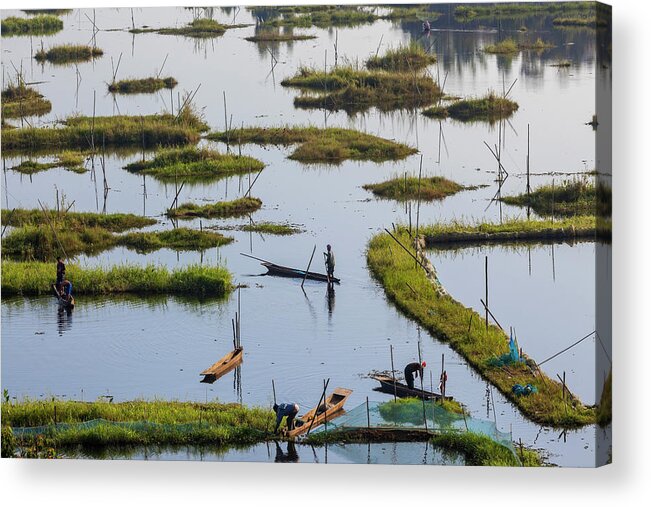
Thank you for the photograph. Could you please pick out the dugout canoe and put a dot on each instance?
(310, 420)
(277, 270)
(403, 390)
(224, 365)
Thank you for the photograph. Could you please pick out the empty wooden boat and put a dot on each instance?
(402, 390)
(317, 416)
(224, 365)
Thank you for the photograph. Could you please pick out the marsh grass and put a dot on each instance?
(36, 278)
(322, 16)
(200, 28)
(503, 47)
(519, 10)
(570, 197)
(405, 58)
(223, 209)
(269, 36)
(537, 45)
(605, 407)
(114, 131)
(115, 222)
(408, 287)
(42, 24)
(194, 164)
(490, 107)
(561, 63)
(53, 12)
(479, 450)
(272, 228)
(68, 53)
(316, 145)
(407, 189)
(354, 90)
(21, 100)
(580, 21)
(69, 160)
(145, 85)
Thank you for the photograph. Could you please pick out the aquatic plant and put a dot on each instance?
(316, 145)
(69, 160)
(145, 85)
(570, 197)
(580, 21)
(112, 222)
(200, 28)
(53, 12)
(222, 209)
(21, 101)
(605, 407)
(68, 53)
(503, 47)
(490, 107)
(272, 228)
(35, 278)
(405, 58)
(42, 24)
(518, 9)
(408, 188)
(269, 36)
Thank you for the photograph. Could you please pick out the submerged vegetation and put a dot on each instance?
(145, 85)
(194, 164)
(489, 108)
(76, 132)
(329, 145)
(411, 188)
(42, 24)
(68, 53)
(354, 90)
(69, 160)
(407, 58)
(35, 278)
(414, 293)
(571, 197)
(21, 100)
(222, 209)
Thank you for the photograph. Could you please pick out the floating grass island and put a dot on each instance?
(510, 46)
(489, 108)
(577, 197)
(42, 24)
(317, 145)
(36, 278)
(69, 160)
(354, 90)
(53, 12)
(237, 208)
(269, 36)
(201, 28)
(68, 53)
(145, 85)
(115, 222)
(417, 295)
(195, 164)
(408, 58)
(272, 228)
(114, 131)
(21, 101)
(408, 188)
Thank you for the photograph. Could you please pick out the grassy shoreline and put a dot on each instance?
(410, 289)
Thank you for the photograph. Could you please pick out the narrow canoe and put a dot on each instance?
(403, 391)
(277, 270)
(225, 364)
(334, 402)
(68, 305)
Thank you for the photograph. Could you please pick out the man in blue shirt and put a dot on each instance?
(289, 410)
(67, 290)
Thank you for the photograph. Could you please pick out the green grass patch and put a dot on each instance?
(36, 278)
(272, 228)
(223, 209)
(322, 16)
(489, 108)
(571, 197)
(406, 58)
(353, 90)
(519, 10)
(42, 24)
(316, 145)
(478, 450)
(580, 21)
(408, 188)
(68, 53)
(145, 85)
(503, 47)
(200, 28)
(194, 164)
(69, 160)
(115, 222)
(272, 36)
(76, 132)
(537, 45)
(413, 293)
(21, 100)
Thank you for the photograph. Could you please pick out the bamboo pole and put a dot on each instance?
(422, 388)
(308, 266)
(323, 397)
(393, 374)
(486, 288)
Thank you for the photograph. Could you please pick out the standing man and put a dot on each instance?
(289, 410)
(414, 369)
(329, 262)
(61, 274)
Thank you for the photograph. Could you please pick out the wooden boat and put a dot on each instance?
(312, 419)
(403, 391)
(63, 303)
(224, 365)
(277, 270)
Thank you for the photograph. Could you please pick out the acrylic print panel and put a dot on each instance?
(378, 226)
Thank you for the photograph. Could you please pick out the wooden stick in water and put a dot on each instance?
(308, 266)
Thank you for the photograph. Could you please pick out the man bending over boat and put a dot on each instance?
(67, 290)
(329, 262)
(413, 369)
(289, 410)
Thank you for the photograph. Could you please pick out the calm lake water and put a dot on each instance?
(155, 347)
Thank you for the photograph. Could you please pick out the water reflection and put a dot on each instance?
(290, 456)
(64, 320)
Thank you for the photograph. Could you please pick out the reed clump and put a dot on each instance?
(223, 209)
(317, 145)
(68, 53)
(69, 160)
(195, 164)
(42, 24)
(570, 197)
(36, 278)
(503, 47)
(21, 100)
(490, 107)
(410, 188)
(145, 85)
(406, 58)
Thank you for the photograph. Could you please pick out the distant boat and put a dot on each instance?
(278, 270)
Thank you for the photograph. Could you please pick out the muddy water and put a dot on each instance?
(143, 347)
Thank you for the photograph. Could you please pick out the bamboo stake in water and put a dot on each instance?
(486, 284)
(308, 266)
(393, 374)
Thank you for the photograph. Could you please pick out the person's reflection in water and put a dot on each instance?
(64, 320)
(330, 295)
(291, 456)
